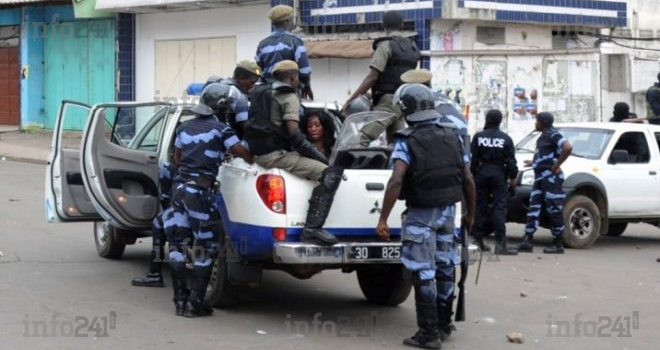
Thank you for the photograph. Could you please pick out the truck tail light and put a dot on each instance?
(272, 192)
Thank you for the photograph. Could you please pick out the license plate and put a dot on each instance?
(376, 253)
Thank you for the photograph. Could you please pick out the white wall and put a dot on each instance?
(247, 23)
(335, 79)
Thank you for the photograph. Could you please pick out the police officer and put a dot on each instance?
(199, 147)
(282, 45)
(393, 55)
(276, 141)
(154, 277)
(246, 75)
(552, 149)
(493, 162)
(431, 175)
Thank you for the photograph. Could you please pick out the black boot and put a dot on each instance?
(154, 277)
(557, 246)
(319, 208)
(445, 313)
(181, 291)
(195, 306)
(501, 248)
(526, 245)
(427, 337)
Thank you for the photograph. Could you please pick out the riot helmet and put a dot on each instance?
(214, 99)
(416, 101)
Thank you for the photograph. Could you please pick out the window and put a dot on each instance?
(149, 120)
(635, 144)
(490, 35)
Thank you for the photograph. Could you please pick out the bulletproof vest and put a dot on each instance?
(435, 177)
(405, 57)
(262, 135)
(649, 110)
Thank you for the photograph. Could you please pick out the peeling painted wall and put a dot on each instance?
(519, 85)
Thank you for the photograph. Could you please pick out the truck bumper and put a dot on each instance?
(345, 253)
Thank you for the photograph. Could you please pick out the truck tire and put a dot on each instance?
(616, 229)
(105, 238)
(220, 292)
(384, 285)
(582, 222)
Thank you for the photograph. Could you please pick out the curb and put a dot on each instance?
(23, 160)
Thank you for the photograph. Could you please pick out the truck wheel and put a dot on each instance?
(616, 229)
(105, 238)
(220, 292)
(384, 285)
(582, 220)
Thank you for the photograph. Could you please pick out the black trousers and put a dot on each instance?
(491, 188)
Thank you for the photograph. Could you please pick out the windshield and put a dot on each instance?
(587, 143)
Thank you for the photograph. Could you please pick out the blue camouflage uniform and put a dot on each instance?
(165, 176)
(203, 142)
(239, 104)
(429, 239)
(547, 187)
(282, 45)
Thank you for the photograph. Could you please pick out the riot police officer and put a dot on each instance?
(431, 175)
(245, 77)
(493, 162)
(552, 149)
(199, 147)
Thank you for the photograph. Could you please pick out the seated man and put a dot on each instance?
(274, 138)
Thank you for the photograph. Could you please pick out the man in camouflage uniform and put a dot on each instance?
(552, 149)
(199, 149)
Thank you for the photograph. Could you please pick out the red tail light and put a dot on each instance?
(272, 192)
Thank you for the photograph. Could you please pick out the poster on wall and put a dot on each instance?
(490, 88)
(525, 103)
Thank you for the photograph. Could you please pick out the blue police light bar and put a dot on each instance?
(195, 89)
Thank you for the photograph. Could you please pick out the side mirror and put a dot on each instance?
(620, 156)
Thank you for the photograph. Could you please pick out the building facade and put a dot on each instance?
(520, 56)
(51, 56)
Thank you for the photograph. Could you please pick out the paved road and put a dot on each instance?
(51, 273)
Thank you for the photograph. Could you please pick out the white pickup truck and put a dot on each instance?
(112, 179)
(612, 178)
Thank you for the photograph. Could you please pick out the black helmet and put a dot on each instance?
(416, 101)
(212, 79)
(213, 100)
